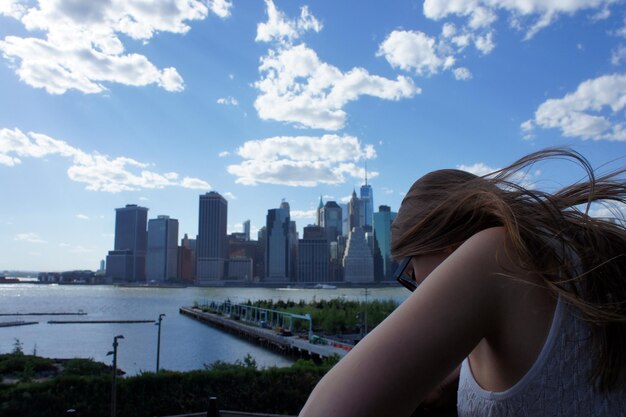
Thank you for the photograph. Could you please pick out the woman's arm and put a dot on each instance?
(391, 370)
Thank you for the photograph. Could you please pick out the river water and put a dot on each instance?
(185, 343)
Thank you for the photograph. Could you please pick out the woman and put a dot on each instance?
(521, 288)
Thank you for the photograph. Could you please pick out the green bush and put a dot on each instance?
(240, 386)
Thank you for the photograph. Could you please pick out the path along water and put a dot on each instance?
(185, 343)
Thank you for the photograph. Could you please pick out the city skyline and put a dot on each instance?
(109, 104)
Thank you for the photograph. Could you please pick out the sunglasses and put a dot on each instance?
(406, 280)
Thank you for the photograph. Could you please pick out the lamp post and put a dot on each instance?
(113, 389)
(159, 341)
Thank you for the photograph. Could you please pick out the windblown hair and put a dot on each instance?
(582, 259)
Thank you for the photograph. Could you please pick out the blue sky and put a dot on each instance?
(106, 103)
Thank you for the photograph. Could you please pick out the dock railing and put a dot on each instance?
(262, 317)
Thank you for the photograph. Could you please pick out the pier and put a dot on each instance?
(17, 323)
(78, 313)
(283, 343)
(98, 321)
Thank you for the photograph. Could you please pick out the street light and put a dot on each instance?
(113, 390)
(159, 340)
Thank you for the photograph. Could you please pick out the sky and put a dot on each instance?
(113, 102)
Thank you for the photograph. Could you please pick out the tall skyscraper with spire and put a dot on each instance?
(212, 241)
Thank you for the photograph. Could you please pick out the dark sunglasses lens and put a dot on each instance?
(407, 282)
(403, 278)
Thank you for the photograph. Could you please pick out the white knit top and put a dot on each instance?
(555, 385)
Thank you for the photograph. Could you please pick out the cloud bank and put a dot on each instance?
(301, 160)
(297, 87)
(594, 111)
(99, 172)
(82, 49)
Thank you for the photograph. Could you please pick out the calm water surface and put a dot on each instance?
(185, 343)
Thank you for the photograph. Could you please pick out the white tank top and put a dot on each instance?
(556, 384)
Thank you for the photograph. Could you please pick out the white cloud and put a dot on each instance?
(82, 49)
(618, 55)
(295, 86)
(478, 168)
(412, 50)
(29, 237)
(609, 210)
(301, 160)
(223, 154)
(12, 8)
(195, 184)
(462, 73)
(481, 14)
(279, 28)
(526, 179)
(346, 199)
(228, 101)
(220, 7)
(82, 217)
(303, 214)
(99, 172)
(484, 43)
(594, 111)
(229, 195)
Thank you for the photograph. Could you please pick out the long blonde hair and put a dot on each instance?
(580, 258)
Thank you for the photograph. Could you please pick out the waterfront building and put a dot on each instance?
(187, 260)
(367, 203)
(293, 251)
(239, 248)
(239, 269)
(382, 233)
(127, 260)
(331, 220)
(358, 263)
(102, 266)
(313, 256)
(259, 260)
(212, 243)
(336, 260)
(277, 245)
(246, 229)
(344, 219)
(162, 256)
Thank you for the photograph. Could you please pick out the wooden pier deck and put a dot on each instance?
(290, 345)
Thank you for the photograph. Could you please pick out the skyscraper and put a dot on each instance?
(212, 241)
(355, 212)
(187, 259)
(162, 257)
(278, 247)
(127, 260)
(246, 229)
(318, 213)
(331, 220)
(313, 256)
(367, 203)
(382, 231)
(358, 263)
